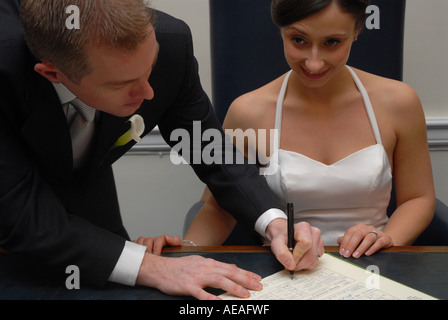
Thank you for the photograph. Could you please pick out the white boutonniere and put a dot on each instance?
(134, 133)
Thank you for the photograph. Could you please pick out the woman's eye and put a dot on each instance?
(332, 42)
(298, 40)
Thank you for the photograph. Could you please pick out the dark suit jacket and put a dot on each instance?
(63, 217)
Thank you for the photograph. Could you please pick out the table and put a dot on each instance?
(423, 268)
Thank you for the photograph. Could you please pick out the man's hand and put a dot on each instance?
(309, 244)
(190, 275)
(155, 244)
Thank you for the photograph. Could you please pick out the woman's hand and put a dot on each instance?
(363, 239)
(155, 244)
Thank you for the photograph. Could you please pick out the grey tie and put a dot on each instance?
(81, 130)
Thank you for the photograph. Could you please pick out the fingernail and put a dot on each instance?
(356, 254)
(245, 294)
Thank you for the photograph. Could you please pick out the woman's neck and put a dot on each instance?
(327, 94)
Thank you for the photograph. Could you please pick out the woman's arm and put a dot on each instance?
(212, 225)
(413, 179)
(412, 173)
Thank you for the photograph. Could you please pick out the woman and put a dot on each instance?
(342, 133)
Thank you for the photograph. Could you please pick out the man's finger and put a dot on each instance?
(304, 240)
(282, 253)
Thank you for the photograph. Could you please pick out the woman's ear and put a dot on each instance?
(358, 31)
(49, 71)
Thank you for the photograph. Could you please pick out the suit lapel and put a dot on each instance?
(109, 129)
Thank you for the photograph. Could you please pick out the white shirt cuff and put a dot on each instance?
(266, 218)
(128, 265)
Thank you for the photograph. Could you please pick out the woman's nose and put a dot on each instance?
(314, 62)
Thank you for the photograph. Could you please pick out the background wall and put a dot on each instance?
(425, 53)
(155, 194)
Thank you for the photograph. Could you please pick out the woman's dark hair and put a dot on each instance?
(286, 12)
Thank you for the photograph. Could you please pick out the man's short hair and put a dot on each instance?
(120, 24)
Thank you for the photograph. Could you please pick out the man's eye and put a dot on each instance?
(117, 86)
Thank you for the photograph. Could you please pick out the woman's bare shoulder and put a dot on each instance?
(394, 95)
(253, 109)
(396, 104)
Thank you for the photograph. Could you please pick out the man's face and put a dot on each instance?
(118, 83)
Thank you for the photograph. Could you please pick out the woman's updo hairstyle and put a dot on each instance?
(287, 12)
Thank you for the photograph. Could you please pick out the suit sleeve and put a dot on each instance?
(34, 222)
(238, 188)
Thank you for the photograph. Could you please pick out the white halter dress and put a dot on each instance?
(333, 197)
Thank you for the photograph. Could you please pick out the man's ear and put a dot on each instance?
(49, 71)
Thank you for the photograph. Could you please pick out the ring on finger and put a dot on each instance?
(375, 233)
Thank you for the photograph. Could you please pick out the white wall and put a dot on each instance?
(425, 54)
(155, 195)
(426, 70)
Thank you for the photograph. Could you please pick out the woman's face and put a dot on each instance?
(318, 47)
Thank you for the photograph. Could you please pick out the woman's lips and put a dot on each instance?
(314, 75)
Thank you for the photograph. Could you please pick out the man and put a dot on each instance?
(59, 204)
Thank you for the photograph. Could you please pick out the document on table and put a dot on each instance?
(333, 279)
